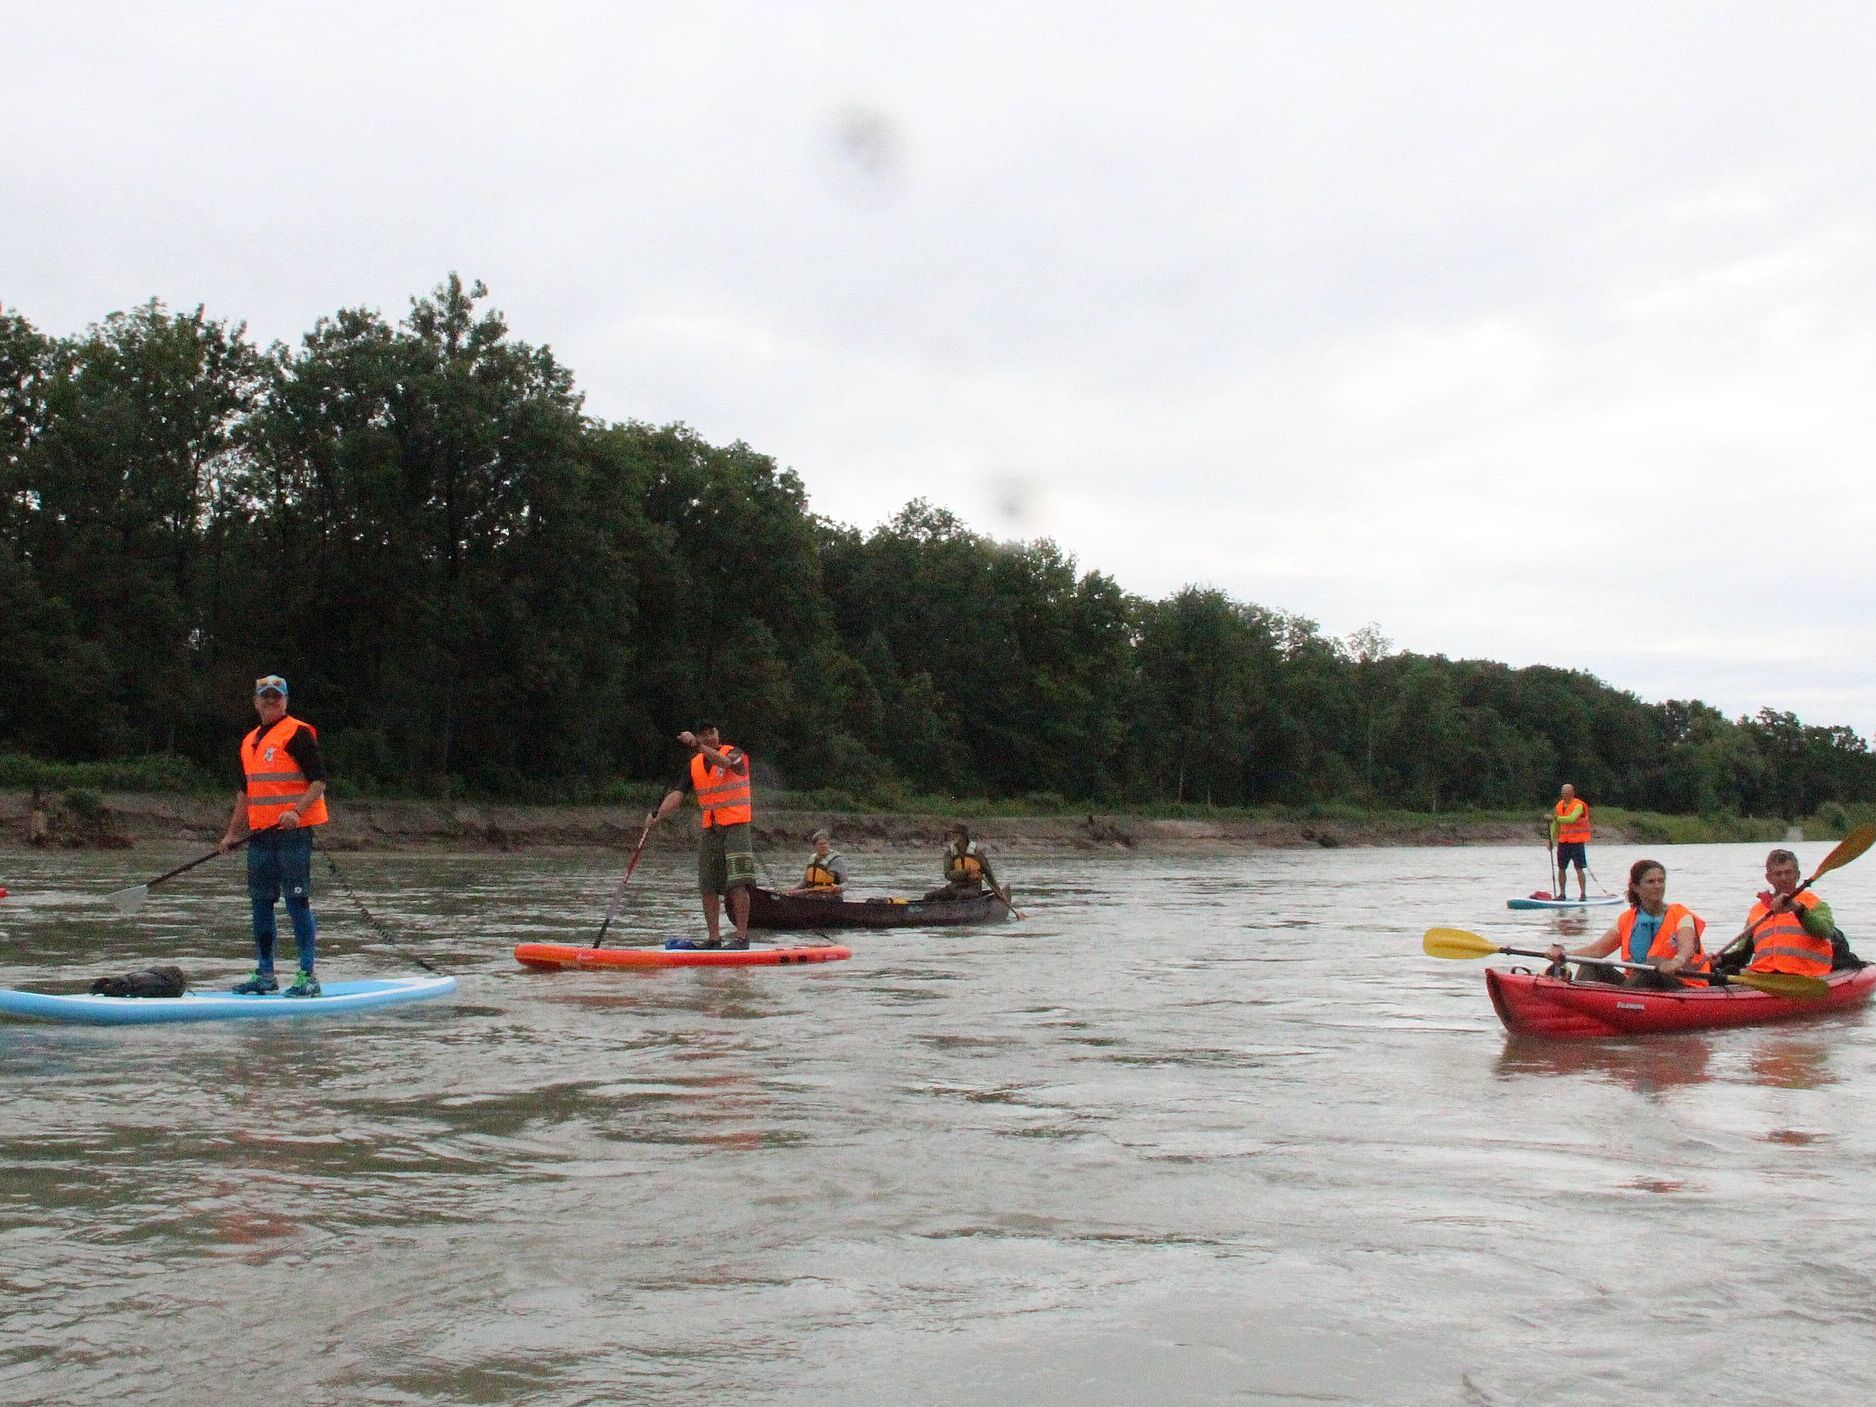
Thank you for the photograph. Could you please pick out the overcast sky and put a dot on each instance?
(1541, 338)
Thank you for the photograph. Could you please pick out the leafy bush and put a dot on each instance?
(158, 773)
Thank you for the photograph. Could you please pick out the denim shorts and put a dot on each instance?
(281, 863)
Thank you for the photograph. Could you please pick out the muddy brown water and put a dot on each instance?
(1202, 1129)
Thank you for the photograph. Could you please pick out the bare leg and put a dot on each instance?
(739, 912)
(711, 910)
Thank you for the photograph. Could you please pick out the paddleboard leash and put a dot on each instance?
(371, 919)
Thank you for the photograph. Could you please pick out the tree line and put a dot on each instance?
(473, 586)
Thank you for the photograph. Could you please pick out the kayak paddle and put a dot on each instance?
(1457, 943)
(131, 899)
(619, 893)
(1847, 849)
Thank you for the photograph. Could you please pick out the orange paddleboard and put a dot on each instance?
(564, 955)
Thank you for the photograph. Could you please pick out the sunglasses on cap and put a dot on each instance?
(270, 683)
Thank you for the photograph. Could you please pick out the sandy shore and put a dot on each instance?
(129, 820)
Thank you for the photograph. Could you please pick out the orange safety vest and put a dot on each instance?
(276, 784)
(818, 875)
(1575, 826)
(1664, 946)
(1782, 945)
(965, 867)
(722, 795)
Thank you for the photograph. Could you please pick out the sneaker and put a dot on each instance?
(304, 985)
(257, 985)
(737, 943)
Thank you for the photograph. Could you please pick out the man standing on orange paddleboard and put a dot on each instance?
(718, 777)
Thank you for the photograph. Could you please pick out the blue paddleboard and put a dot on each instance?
(1600, 901)
(336, 999)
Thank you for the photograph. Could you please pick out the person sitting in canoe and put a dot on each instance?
(1650, 930)
(966, 867)
(826, 873)
(1789, 929)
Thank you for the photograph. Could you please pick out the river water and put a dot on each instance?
(1198, 1130)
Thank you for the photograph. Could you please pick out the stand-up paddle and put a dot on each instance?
(1847, 849)
(131, 899)
(619, 893)
(1457, 943)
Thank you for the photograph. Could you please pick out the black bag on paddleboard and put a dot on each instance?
(151, 982)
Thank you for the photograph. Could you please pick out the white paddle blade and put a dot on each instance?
(131, 899)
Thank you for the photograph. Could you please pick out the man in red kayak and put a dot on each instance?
(1789, 929)
(1650, 930)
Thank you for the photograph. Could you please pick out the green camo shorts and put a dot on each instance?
(725, 859)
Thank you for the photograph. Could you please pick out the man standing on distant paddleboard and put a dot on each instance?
(1569, 830)
(718, 776)
(282, 797)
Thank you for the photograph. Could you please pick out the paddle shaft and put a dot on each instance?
(204, 859)
(997, 890)
(1708, 977)
(134, 896)
(619, 893)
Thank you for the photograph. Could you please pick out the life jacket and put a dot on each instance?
(1782, 945)
(1575, 825)
(963, 867)
(276, 784)
(722, 796)
(820, 874)
(1664, 945)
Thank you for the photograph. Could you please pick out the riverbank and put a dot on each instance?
(126, 820)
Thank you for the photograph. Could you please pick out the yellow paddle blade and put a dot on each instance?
(1792, 985)
(1456, 943)
(1851, 846)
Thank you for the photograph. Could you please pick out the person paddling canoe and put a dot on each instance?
(1650, 930)
(966, 866)
(825, 875)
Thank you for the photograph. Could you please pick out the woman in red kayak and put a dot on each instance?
(1650, 930)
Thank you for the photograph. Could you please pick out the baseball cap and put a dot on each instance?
(271, 682)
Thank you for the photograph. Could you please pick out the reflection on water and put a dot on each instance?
(1200, 1130)
(1645, 1066)
(1793, 1062)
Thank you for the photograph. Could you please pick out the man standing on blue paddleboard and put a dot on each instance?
(282, 797)
(1569, 828)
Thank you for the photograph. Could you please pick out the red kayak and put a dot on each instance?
(549, 955)
(1532, 1005)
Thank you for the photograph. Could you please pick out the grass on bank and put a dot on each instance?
(81, 784)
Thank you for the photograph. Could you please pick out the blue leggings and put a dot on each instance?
(280, 863)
